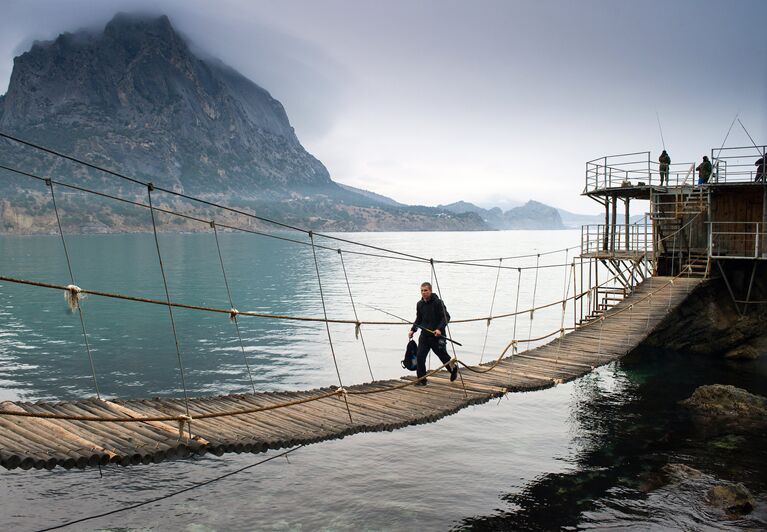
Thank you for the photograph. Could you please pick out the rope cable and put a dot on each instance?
(532, 312)
(492, 303)
(170, 308)
(172, 494)
(75, 292)
(358, 326)
(333, 392)
(447, 328)
(327, 327)
(234, 311)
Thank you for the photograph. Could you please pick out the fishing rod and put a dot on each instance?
(661, 131)
(414, 325)
(751, 138)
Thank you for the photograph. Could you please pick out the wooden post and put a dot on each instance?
(764, 223)
(613, 219)
(628, 247)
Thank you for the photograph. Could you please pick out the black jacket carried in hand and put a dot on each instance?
(431, 314)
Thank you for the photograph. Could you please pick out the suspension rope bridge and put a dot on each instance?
(97, 431)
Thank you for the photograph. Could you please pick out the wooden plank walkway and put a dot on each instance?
(40, 442)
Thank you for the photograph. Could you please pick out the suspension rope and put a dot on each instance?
(527, 256)
(327, 327)
(125, 297)
(447, 328)
(73, 294)
(516, 309)
(149, 190)
(337, 391)
(358, 326)
(172, 494)
(514, 331)
(535, 290)
(234, 311)
(492, 303)
(564, 311)
(396, 255)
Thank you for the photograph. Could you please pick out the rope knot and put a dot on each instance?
(233, 312)
(514, 345)
(73, 296)
(342, 391)
(181, 420)
(357, 326)
(488, 321)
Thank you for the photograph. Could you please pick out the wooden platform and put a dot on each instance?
(28, 442)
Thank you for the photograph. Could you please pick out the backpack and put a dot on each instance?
(411, 356)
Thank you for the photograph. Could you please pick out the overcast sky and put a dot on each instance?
(435, 101)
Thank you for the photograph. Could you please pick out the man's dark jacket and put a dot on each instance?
(431, 314)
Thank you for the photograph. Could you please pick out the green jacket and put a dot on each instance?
(704, 170)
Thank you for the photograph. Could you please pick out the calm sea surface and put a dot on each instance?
(569, 457)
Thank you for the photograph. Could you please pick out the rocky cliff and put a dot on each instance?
(136, 99)
(710, 323)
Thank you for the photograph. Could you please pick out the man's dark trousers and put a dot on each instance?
(428, 341)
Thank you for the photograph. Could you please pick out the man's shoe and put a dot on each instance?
(453, 372)
(422, 382)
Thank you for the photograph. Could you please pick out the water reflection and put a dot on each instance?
(627, 425)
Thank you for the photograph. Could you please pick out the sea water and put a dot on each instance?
(569, 456)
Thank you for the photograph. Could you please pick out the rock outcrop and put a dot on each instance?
(708, 323)
(728, 408)
(732, 498)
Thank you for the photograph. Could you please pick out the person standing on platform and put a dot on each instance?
(704, 171)
(664, 161)
(431, 317)
(760, 171)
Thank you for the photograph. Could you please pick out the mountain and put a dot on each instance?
(531, 215)
(376, 198)
(575, 220)
(134, 98)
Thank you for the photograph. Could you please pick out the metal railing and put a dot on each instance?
(737, 240)
(633, 169)
(738, 164)
(633, 239)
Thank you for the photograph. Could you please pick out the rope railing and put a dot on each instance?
(181, 418)
(208, 221)
(234, 312)
(75, 293)
(145, 184)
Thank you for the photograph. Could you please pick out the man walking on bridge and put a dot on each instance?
(431, 317)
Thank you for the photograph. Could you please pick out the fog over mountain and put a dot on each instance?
(134, 98)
